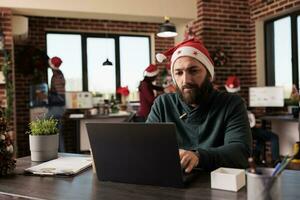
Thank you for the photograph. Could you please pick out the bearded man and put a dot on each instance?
(212, 127)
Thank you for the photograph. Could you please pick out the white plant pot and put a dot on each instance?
(43, 147)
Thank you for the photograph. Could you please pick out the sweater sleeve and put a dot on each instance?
(237, 142)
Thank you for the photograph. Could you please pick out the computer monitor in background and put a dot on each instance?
(266, 97)
(79, 100)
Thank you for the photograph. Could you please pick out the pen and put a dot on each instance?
(182, 116)
(276, 169)
(282, 166)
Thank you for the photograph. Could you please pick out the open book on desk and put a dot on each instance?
(63, 166)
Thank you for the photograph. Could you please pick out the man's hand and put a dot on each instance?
(188, 160)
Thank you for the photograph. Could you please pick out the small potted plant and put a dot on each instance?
(43, 139)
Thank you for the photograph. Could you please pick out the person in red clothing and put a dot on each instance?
(146, 91)
(56, 98)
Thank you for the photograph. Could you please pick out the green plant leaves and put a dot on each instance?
(43, 127)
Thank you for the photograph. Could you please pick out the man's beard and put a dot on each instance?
(197, 94)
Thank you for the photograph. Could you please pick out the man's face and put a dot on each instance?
(192, 79)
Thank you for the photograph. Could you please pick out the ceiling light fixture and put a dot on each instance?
(167, 29)
(107, 63)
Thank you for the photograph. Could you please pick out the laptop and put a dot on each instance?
(137, 153)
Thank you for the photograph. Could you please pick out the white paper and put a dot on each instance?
(62, 166)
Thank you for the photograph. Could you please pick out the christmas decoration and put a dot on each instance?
(7, 162)
(124, 92)
(193, 48)
(6, 68)
(189, 32)
(220, 58)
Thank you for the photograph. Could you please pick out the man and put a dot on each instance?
(212, 128)
(146, 91)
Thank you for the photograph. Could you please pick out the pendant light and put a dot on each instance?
(106, 62)
(167, 29)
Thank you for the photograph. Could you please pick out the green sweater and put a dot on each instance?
(218, 128)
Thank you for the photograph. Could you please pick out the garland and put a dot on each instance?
(220, 58)
(7, 162)
(6, 68)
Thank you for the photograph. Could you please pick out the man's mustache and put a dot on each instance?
(189, 86)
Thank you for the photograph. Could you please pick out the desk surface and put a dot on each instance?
(86, 186)
(124, 115)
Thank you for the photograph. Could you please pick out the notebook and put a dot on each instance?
(138, 153)
(65, 166)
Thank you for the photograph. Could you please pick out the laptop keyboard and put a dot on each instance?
(187, 177)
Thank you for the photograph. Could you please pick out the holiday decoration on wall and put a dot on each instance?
(7, 70)
(7, 162)
(33, 61)
(219, 57)
(189, 32)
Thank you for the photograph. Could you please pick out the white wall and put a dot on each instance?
(151, 11)
(181, 12)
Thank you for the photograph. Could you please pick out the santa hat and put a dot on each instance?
(233, 84)
(192, 48)
(55, 62)
(151, 70)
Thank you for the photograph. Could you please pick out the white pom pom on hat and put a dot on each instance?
(233, 84)
(151, 71)
(160, 57)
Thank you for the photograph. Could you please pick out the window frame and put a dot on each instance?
(269, 49)
(114, 36)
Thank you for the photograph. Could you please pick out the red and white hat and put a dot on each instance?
(55, 62)
(151, 70)
(232, 84)
(192, 48)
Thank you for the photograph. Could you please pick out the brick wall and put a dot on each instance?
(261, 8)
(6, 28)
(37, 28)
(226, 25)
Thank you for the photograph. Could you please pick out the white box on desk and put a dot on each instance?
(227, 179)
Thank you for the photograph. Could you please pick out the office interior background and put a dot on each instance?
(260, 39)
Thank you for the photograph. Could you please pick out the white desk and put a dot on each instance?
(82, 140)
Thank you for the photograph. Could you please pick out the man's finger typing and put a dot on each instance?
(188, 160)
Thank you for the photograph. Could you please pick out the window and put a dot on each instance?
(134, 58)
(68, 48)
(281, 36)
(283, 54)
(298, 45)
(101, 78)
(83, 55)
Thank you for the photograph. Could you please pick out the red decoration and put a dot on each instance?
(124, 91)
